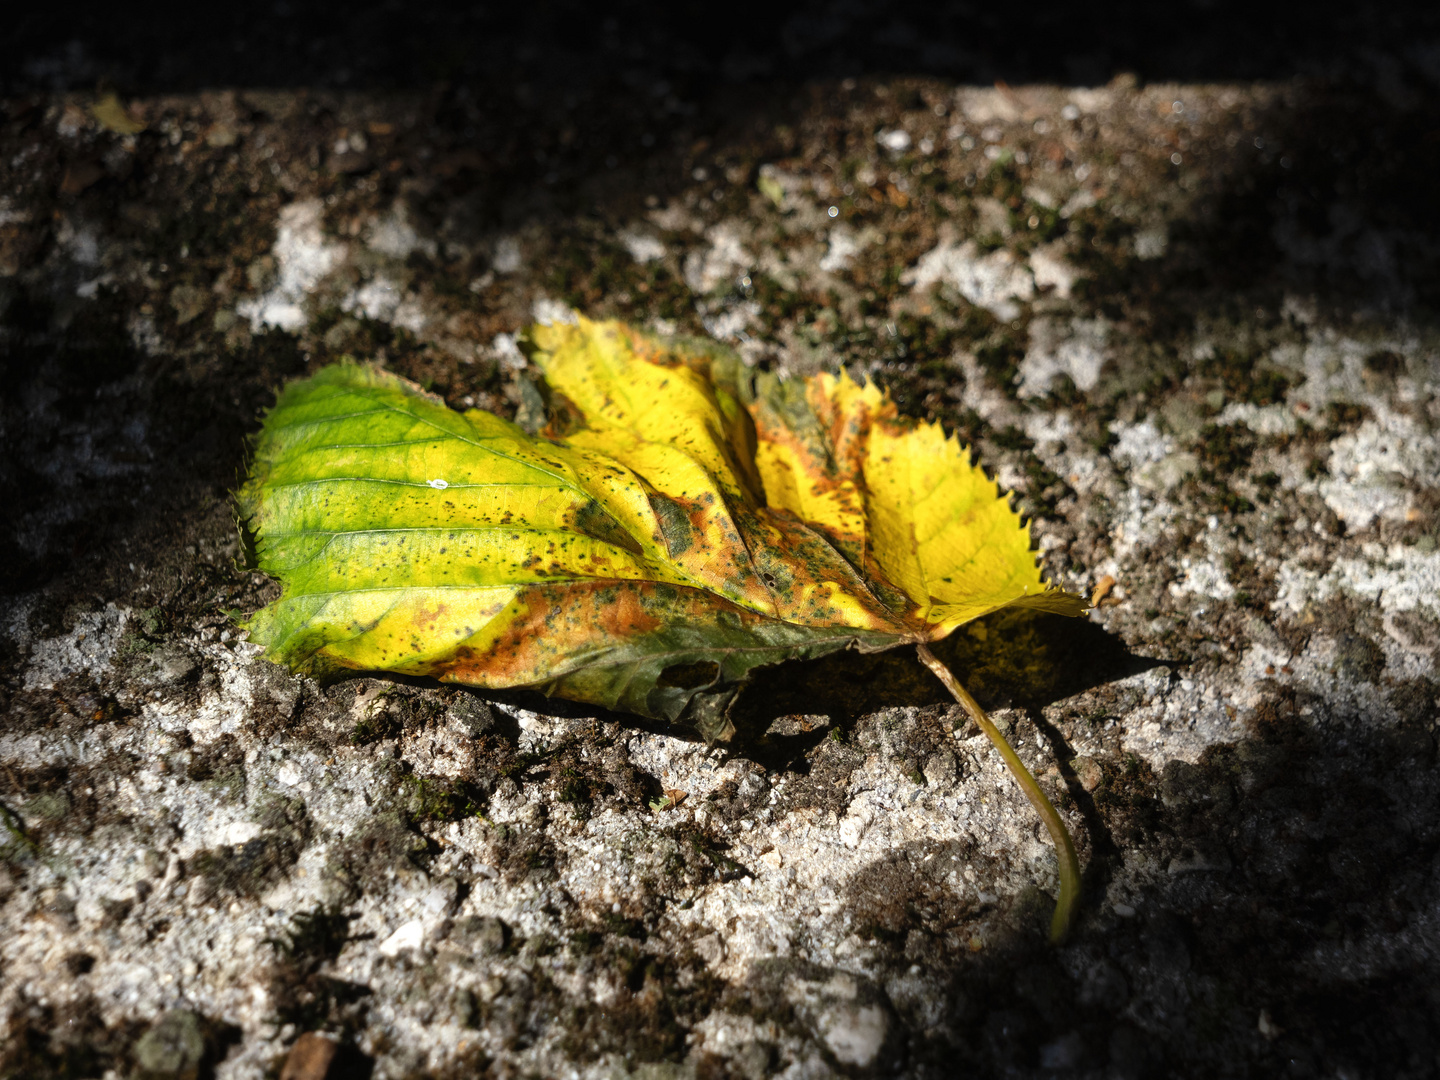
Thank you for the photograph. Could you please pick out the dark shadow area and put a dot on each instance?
(384, 46)
(1276, 931)
(501, 722)
(1013, 659)
(1274, 939)
(1320, 194)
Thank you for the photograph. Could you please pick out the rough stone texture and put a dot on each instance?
(1192, 326)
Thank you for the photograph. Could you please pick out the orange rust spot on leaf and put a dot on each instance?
(428, 616)
(625, 617)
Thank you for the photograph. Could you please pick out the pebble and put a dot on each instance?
(310, 1058)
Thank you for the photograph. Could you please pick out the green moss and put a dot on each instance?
(1011, 438)
(726, 867)
(1231, 502)
(1049, 224)
(1225, 451)
(576, 788)
(250, 868)
(151, 621)
(379, 721)
(1003, 182)
(15, 840)
(777, 303)
(1267, 482)
(228, 783)
(1246, 377)
(586, 941)
(429, 799)
(387, 841)
(48, 806)
(1101, 254)
(620, 926)
(541, 945)
(1345, 415)
(1043, 487)
(343, 335)
(1386, 364)
(999, 357)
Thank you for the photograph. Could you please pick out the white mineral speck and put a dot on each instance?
(376, 299)
(643, 247)
(1397, 578)
(394, 235)
(995, 281)
(1152, 243)
(1204, 578)
(1371, 469)
(1052, 270)
(853, 1035)
(241, 832)
(288, 775)
(720, 264)
(548, 312)
(408, 936)
(1075, 348)
(843, 248)
(1139, 444)
(303, 256)
(730, 324)
(507, 352)
(507, 258)
(896, 140)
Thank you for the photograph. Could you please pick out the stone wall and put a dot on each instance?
(1190, 325)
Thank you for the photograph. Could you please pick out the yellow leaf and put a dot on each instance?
(678, 524)
(903, 497)
(113, 116)
(772, 190)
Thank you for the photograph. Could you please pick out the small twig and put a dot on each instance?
(1064, 847)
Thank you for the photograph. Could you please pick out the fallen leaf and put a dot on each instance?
(678, 523)
(772, 190)
(113, 116)
(1102, 590)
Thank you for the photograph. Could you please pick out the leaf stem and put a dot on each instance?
(1064, 847)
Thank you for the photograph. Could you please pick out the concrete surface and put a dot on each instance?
(1191, 325)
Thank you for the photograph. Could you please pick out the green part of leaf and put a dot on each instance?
(466, 580)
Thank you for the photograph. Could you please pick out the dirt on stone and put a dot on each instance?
(1190, 326)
